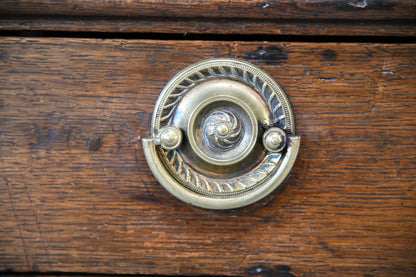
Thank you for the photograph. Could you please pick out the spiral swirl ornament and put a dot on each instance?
(222, 130)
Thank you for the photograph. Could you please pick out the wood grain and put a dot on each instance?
(77, 196)
(258, 9)
(222, 26)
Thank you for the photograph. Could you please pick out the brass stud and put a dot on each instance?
(274, 139)
(170, 137)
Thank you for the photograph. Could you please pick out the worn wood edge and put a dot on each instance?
(257, 9)
(189, 26)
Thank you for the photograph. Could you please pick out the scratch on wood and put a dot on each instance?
(135, 141)
(277, 271)
(14, 211)
(327, 247)
(358, 3)
(35, 214)
(388, 72)
(15, 217)
(328, 79)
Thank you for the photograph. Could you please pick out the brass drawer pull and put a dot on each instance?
(223, 135)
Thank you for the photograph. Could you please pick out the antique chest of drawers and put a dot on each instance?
(79, 82)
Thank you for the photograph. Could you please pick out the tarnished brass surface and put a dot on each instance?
(223, 135)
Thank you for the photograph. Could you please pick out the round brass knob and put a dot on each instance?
(170, 137)
(274, 139)
(223, 135)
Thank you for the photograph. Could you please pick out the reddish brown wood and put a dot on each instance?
(207, 26)
(258, 9)
(77, 196)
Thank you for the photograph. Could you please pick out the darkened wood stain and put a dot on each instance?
(270, 55)
(94, 143)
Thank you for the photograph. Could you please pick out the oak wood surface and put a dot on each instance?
(76, 194)
(221, 26)
(258, 9)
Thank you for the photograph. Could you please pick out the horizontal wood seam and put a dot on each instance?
(213, 37)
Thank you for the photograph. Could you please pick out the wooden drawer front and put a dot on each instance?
(76, 193)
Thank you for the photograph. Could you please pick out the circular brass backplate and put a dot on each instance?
(208, 129)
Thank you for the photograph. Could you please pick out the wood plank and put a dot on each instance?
(77, 196)
(258, 9)
(207, 26)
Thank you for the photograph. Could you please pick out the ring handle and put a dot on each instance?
(223, 135)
